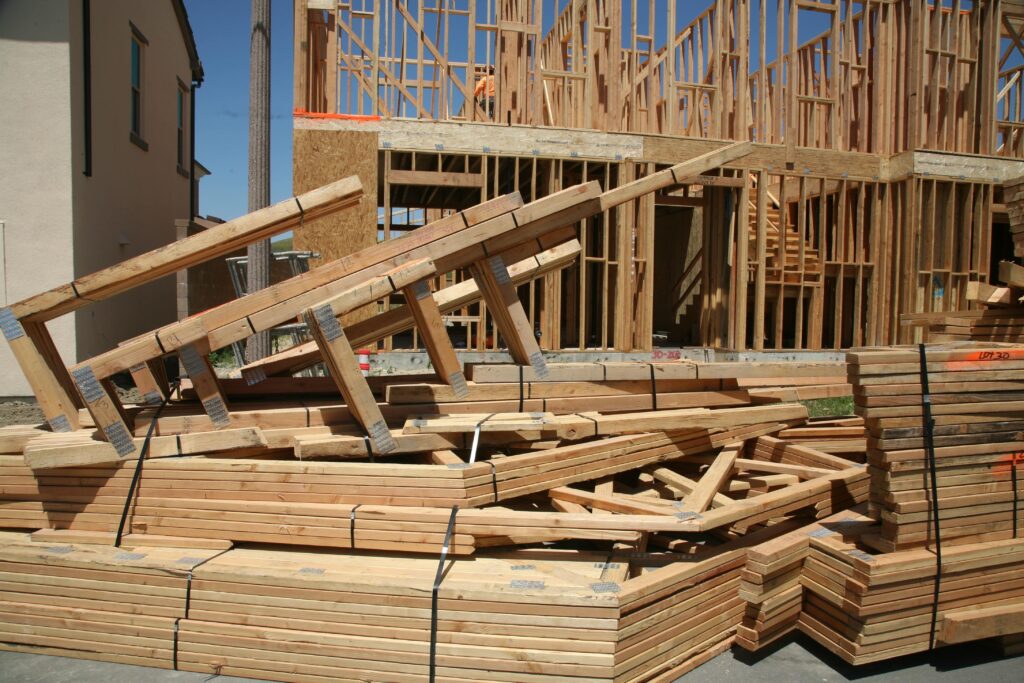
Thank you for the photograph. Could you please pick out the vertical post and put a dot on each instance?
(435, 337)
(258, 254)
(762, 257)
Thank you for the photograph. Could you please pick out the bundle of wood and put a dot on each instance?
(771, 579)
(1000, 317)
(539, 615)
(95, 601)
(976, 400)
(1013, 196)
(867, 607)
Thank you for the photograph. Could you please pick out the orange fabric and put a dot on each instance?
(485, 83)
(323, 115)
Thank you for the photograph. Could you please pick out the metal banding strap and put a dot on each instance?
(329, 325)
(1014, 457)
(369, 447)
(494, 479)
(587, 417)
(520, 388)
(654, 388)
(138, 469)
(929, 447)
(10, 325)
(476, 438)
(438, 577)
(194, 365)
(302, 212)
(188, 599)
(352, 525)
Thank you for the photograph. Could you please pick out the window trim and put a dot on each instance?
(181, 114)
(135, 121)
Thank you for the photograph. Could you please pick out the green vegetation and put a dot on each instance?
(826, 407)
(223, 358)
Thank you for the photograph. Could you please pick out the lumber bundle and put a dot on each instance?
(1013, 196)
(94, 601)
(977, 403)
(771, 579)
(999, 318)
(867, 607)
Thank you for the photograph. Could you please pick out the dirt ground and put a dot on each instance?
(14, 412)
(27, 412)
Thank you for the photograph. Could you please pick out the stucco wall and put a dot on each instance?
(129, 204)
(35, 144)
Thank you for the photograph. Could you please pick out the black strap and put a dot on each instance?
(438, 578)
(138, 466)
(352, 525)
(929, 447)
(587, 417)
(188, 600)
(494, 479)
(174, 652)
(520, 388)
(1013, 478)
(654, 388)
(369, 447)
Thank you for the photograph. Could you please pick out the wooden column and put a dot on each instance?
(31, 345)
(204, 381)
(503, 303)
(435, 337)
(341, 362)
(103, 405)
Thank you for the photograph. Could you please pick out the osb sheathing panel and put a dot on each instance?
(322, 157)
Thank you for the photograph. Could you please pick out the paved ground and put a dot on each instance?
(796, 661)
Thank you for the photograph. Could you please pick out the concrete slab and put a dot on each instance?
(798, 660)
(801, 659)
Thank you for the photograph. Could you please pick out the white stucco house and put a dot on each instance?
(96, 133)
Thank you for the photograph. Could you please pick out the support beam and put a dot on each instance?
(435, 337)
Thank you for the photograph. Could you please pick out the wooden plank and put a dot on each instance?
(503, 303)
(432, 331)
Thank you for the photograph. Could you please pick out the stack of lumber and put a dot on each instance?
(771, 579)
(999, 318)
(1013, 197)
(867, 607)
(839, 436)
(977, 404)
(94, 601)
(541, 615)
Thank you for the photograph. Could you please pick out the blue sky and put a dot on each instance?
(221, 28)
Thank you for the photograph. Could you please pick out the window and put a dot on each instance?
(138, 44)
(180, 107)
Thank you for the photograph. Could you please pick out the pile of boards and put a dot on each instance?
(998, 318)
(975, 399)
(527, 522)
(998, 315)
